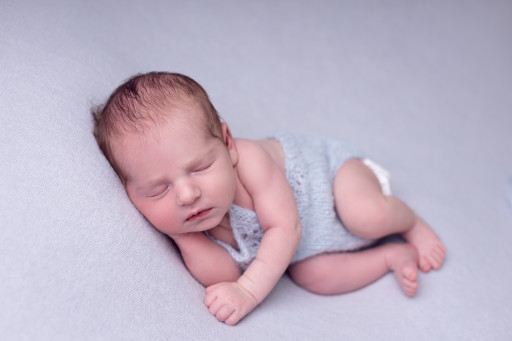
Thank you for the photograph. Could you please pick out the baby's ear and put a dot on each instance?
(230, 143)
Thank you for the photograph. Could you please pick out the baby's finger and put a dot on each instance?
(233, 318)
(214, 307)
(211, 288)
(224, 312)
(209, 298)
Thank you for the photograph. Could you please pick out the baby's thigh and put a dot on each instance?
(358, 197)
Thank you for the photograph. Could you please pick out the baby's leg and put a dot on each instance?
(339, 273)
(366, 212)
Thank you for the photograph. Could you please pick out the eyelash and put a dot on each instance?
(160, 193)
(203, 168)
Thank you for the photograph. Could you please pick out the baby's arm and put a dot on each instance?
(277, 213)
(207, 261)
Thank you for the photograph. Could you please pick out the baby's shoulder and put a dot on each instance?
(260, 155)
(245, 145)
(251, 154)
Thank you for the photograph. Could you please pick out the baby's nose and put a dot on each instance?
(187, 193)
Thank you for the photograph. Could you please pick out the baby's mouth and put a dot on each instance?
(199, 214)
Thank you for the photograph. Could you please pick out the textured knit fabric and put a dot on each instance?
(311, 164)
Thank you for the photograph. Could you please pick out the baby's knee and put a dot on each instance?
(368, 217)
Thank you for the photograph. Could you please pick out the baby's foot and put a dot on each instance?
(430, 248)
(403, 260)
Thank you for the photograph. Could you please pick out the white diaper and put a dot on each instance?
(382, 175)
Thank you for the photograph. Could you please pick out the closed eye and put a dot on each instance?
(203, 168)
(160, 191)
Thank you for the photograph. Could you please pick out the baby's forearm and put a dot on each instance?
(274, 255)
(208, 262)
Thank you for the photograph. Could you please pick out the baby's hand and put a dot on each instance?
(229, 302)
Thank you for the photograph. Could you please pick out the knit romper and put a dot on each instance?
(311, 164)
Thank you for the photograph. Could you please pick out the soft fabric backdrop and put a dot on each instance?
(423, 87)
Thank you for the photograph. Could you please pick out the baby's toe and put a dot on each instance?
(437, 256)
(410, 288)
(424, 264)
(410, 273)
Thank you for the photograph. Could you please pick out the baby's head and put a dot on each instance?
(146, 100)
(175, 158)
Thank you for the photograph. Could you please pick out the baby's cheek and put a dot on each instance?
(162, 218)
(229, 183)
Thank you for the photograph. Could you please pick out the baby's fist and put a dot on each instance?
(229, 302)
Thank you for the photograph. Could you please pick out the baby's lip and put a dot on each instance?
(198, 214)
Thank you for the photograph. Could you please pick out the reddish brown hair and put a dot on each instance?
(146, 99)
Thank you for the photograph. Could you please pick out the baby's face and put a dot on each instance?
(179, 179)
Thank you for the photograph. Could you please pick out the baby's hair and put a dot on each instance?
(142, 101)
